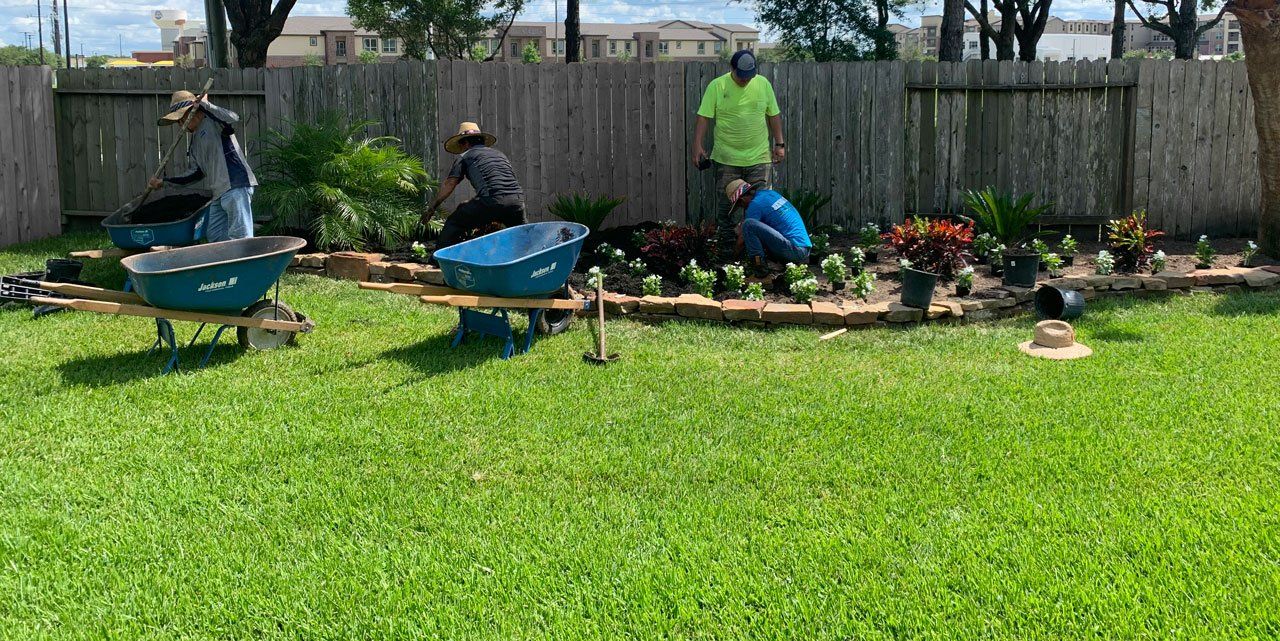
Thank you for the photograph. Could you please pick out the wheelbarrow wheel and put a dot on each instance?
(257, 338)
(554, 321)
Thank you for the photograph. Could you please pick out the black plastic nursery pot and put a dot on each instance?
(917, 288)
(1020, 269)
(1069, 260)
(1055, 303)
(997, 270)
(962, 291)
(871, 256)
(62, 270)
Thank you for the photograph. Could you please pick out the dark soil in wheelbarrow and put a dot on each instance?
(167, 210)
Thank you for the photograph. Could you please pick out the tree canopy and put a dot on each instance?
(1181, 22)
(446, 28)
(827, 30)
(18, 56)
(254, 25)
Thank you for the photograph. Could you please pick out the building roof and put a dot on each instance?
(313, 25)
(616, 30)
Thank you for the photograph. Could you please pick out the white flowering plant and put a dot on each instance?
(735, 277)
(964, 278)
(1205, 252)
(754, 291)
(703, 281)
(1158, 261)
(1053, 263)
(637, 267)
(804, 289)
(652, 285)
(1105, 262)
(1250, 251)
(821, 243)
(595, 277)
(857, 258)
(863, 284)
(796, 273)
(1069, 245)
(833, 267)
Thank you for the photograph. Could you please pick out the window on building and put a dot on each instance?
(702, 48)
(613, 47)
(515, 49)
(664, 48)
(648, 49)
(340, 47)
(389, 45)
(718, 46)
(678, 43)
(558, 47)
(314, 41)
(370, 44)
(627, 46)
(595, 48)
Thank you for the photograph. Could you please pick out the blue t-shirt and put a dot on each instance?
(770, 208)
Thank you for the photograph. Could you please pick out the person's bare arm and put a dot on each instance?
(446, 190)
(699, 134)
(775, 129)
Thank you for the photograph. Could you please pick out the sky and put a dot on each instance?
(104, 27)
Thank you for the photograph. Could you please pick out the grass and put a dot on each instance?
(715, 483)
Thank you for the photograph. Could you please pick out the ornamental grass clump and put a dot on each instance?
(652, 285)
(804, 289)
(1132, 241)
(1204, 253)
(735, 277)
(703, 281)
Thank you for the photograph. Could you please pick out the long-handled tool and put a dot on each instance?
(182, 125)
(603, 356)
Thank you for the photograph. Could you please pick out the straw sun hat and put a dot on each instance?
(178, 104)
(453, 144)
(1055, 340)
(736, 189)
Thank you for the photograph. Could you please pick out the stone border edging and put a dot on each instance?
(981, 305)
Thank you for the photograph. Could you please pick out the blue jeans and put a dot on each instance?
(759, 238)
(230, 216)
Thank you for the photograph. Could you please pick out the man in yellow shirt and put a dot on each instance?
(746, 113)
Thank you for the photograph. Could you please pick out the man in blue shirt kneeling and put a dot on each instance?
(772, 228)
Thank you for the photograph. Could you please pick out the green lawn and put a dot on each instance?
(715, 483)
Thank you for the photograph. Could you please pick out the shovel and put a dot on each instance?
(182, 125)
(601, 357)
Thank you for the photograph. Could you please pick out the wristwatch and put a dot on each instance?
(780, 144)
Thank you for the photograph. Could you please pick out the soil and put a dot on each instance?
(167, 210)
(1180, 258)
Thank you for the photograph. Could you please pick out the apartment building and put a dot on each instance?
(664, 39)
(1079, 36)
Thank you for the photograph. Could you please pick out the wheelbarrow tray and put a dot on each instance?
(179, 232)
(224, 277)
(518, 262)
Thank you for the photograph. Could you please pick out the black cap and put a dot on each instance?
(744, 64)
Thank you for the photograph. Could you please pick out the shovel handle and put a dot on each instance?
(600, 308)
(181, 124)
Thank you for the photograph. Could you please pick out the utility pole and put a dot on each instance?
(571, 31)
(40, 28)
(216, 31)
(57, 37)
(66, 30)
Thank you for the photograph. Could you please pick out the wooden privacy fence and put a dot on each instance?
(884, 139)
(29, 206)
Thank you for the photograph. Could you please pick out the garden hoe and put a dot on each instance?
(182, 127)
(602, 356)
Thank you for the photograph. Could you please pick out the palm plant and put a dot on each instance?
(1004, 218)
(584, 210)
(808, 204)
(350, 192)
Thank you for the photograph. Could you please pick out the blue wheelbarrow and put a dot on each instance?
(171, 219)
(525, 267)
(222, 283)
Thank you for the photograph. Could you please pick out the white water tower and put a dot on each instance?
(171, 23)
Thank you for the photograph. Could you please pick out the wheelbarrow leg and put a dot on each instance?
(164, 336)
(495, 323)
(462, 328)
(534, 315)
(209, 352)
(197, 334)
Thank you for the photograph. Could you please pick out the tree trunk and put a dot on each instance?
(951, 42)
(571, 31)
(1027, 47)
(1117, 31)
(1261, 37)
(984, 42)
(1005, 39)
(251, 48)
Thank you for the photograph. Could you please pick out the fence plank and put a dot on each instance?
(1202, 217)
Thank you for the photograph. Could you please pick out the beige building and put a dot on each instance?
(665, 40)
(330, 40)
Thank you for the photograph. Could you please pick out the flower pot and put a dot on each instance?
(1041, 266)
(1020, 269)
(980, 259)
(917, 288)
(1055, 303)
(997, 270)
(962, 291)
(1204, 266)
(1069, 261)
(837, 287)
(871, 256)
(62, 270)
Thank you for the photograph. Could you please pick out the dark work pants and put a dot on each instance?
(476, 214)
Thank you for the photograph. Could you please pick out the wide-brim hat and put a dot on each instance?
(736, 189)
(1056, 340)
(454, 144)
(178, 104)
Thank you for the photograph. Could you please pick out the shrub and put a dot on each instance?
(530, 54)
(1105, 262)
(936, 246)
(1158, 261)
(1250, 251)
(808, 204)
(1069, 246)
(735, 277)
(583, 209)
(1007, 220)
(833, 267)
(857, 258)
(1205, 252)
(755, 291)
(703, 281)
(796, 273)
(863, 284)
(368, 57)
(804, 289)
(1132, 241)
(419, 250)
(652, 285)
(821, 244)
(669, 248)
(350, 192)
(869, 237)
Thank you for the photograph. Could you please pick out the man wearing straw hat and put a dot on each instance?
(499, 198)
(214, 156)
(746, 113)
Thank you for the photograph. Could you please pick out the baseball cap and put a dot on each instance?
(744, 64)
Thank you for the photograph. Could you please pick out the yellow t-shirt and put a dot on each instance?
(741, 134)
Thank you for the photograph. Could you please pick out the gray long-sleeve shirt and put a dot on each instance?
(215, 155)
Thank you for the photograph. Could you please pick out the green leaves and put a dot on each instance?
(808, 203)
(1006, 219)
(583, 209)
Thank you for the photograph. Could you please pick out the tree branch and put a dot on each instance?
(1154, 25)
(1209, 25)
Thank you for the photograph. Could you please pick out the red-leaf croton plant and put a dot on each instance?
(936, 245)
